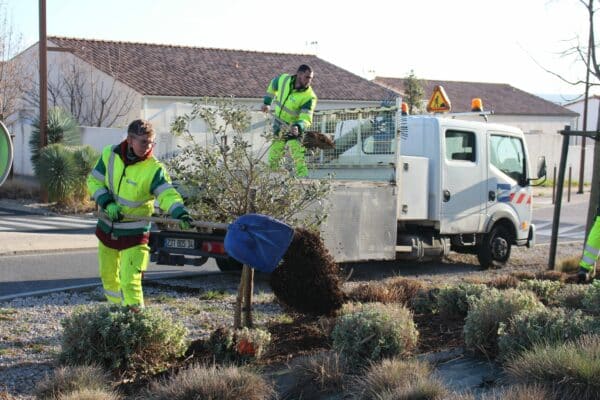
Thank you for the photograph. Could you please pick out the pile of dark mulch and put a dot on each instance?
(437, 333)
(291, 340)
(308, 279)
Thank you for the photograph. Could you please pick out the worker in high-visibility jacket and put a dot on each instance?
(591, 252)
(127, 179)
(293, 102)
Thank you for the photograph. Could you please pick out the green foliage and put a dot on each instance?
(85, 158)
(571, 369)
(570, 296)
(544, 289)
(542, 325)
(374, 331)
(413, 93)
(453, 301)
(399, 379)
(211, 382)
(65, 380)
(221, 177)
(488, 311)
(57, 172)
(240, 346)
(591, 299)
(60, 128)
(121, 340)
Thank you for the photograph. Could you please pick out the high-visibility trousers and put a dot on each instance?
(121, 273)
(297, 151)
(591, 251)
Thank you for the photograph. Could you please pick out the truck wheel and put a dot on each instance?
(494, 251)
(229, 265)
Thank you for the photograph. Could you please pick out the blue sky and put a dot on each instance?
(461, 40)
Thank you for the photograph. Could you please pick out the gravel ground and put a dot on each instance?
(30, 329)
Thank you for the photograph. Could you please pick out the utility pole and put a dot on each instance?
(43, 86)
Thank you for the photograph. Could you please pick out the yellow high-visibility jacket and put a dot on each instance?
(134, 187)
(290, 105)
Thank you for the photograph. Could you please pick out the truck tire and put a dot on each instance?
(494, 251)
(229, 265)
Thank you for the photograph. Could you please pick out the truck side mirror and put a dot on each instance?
(541, 171)
(541, 167)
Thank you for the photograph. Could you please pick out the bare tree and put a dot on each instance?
(12, 73)
(91, 96)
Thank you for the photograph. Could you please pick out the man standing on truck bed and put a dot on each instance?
(294, 102)
(126, 180)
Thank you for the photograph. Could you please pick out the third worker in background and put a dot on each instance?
(293, 102)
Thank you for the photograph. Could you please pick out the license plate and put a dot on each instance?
(180, 243)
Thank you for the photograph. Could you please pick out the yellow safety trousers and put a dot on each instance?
(591, 250)
(121, 273)
(297, 151)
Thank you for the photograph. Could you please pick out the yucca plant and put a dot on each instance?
(84, 158)
(60, 128)
(57, 172)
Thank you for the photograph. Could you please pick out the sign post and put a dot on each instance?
(6, 153)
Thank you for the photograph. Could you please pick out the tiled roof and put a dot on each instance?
(500, 98)
(164, 70)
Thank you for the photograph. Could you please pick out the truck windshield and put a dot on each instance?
(507, 154)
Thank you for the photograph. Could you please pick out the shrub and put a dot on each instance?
(120, 340)
(543, 325)
(591, 299)
(69, 379)
(571, 369)
(405, 289)
(84, 158)
(215, 383)
(452, 301)
(61, 128)
(57, 172)
(399, 379)
(551, 276)
(316, 375)
(504, 282)
(544, 290)
(374, 292)
(488, 311)
(519, 392)
(523, 275)
(242, 345)
(374, 331)
(425, 301)
(569, 265)
(90, 394)
(570, 296)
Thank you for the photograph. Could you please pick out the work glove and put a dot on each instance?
(185, 222)
(582, 275)
(113, 211)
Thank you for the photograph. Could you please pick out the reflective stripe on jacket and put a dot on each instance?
(134, 187)
(290, 105)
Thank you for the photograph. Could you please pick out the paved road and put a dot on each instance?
(23, 221)
(29, 274)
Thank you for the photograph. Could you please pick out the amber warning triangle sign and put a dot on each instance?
(439, 101)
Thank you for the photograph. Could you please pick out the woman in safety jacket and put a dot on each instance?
(294, 102)
(126, 180)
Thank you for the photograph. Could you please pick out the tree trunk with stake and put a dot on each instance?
(243, 302)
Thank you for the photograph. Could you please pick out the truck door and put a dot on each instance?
(507, 180)
(463, 184)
